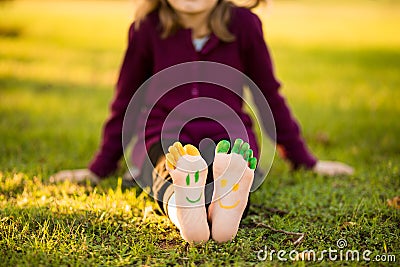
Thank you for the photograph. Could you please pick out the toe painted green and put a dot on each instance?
(244, 148)
(236, 146)
(253, 163)
(223, 146)
(248, 154)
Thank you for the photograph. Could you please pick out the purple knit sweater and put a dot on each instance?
(148, 53)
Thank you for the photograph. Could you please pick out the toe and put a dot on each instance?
(170, 162)
(191, 150)
(248, 154)
(244, 148)
(237, 145)
(174, 151)
(179, 148)
(252, 163)
(223, 147)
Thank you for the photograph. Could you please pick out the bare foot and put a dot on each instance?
(233, 177)
(189, 173)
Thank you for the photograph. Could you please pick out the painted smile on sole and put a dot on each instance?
(194, 201)
(228, 207)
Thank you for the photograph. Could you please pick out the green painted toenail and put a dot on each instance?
(250, 151)
(248, 154)
(223, 146)
(253, 163)
(244, 148)
(236, 146)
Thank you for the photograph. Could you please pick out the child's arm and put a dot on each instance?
(136, 68)
(258, 66)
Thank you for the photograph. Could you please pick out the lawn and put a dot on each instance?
(339, 62)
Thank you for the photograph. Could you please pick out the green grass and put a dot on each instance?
(339, 63)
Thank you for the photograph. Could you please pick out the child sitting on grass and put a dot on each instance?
(170, 32)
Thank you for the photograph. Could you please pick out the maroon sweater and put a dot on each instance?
(148, 54)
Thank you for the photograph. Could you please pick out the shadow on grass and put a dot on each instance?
(10, 31)
(16, 84)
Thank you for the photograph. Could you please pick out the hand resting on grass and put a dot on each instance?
(332, 168)
(77, 176)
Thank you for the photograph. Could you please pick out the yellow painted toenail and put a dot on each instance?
(170, 160)
(179, 147)
(192, 150)
(174, 151)
(170, 166)
(224, 182)
(235, 187)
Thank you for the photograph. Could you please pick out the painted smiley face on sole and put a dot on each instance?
(189, 173)
(223, 183)
(233, 176)
(196, 180)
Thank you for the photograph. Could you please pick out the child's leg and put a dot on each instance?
(154, 178)
(233, 177)
(186, 207)
(163, 189)
(173, 211)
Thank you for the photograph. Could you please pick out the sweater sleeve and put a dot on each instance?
(259, 68)
(135, 69)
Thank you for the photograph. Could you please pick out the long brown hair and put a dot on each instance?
(218, 23)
